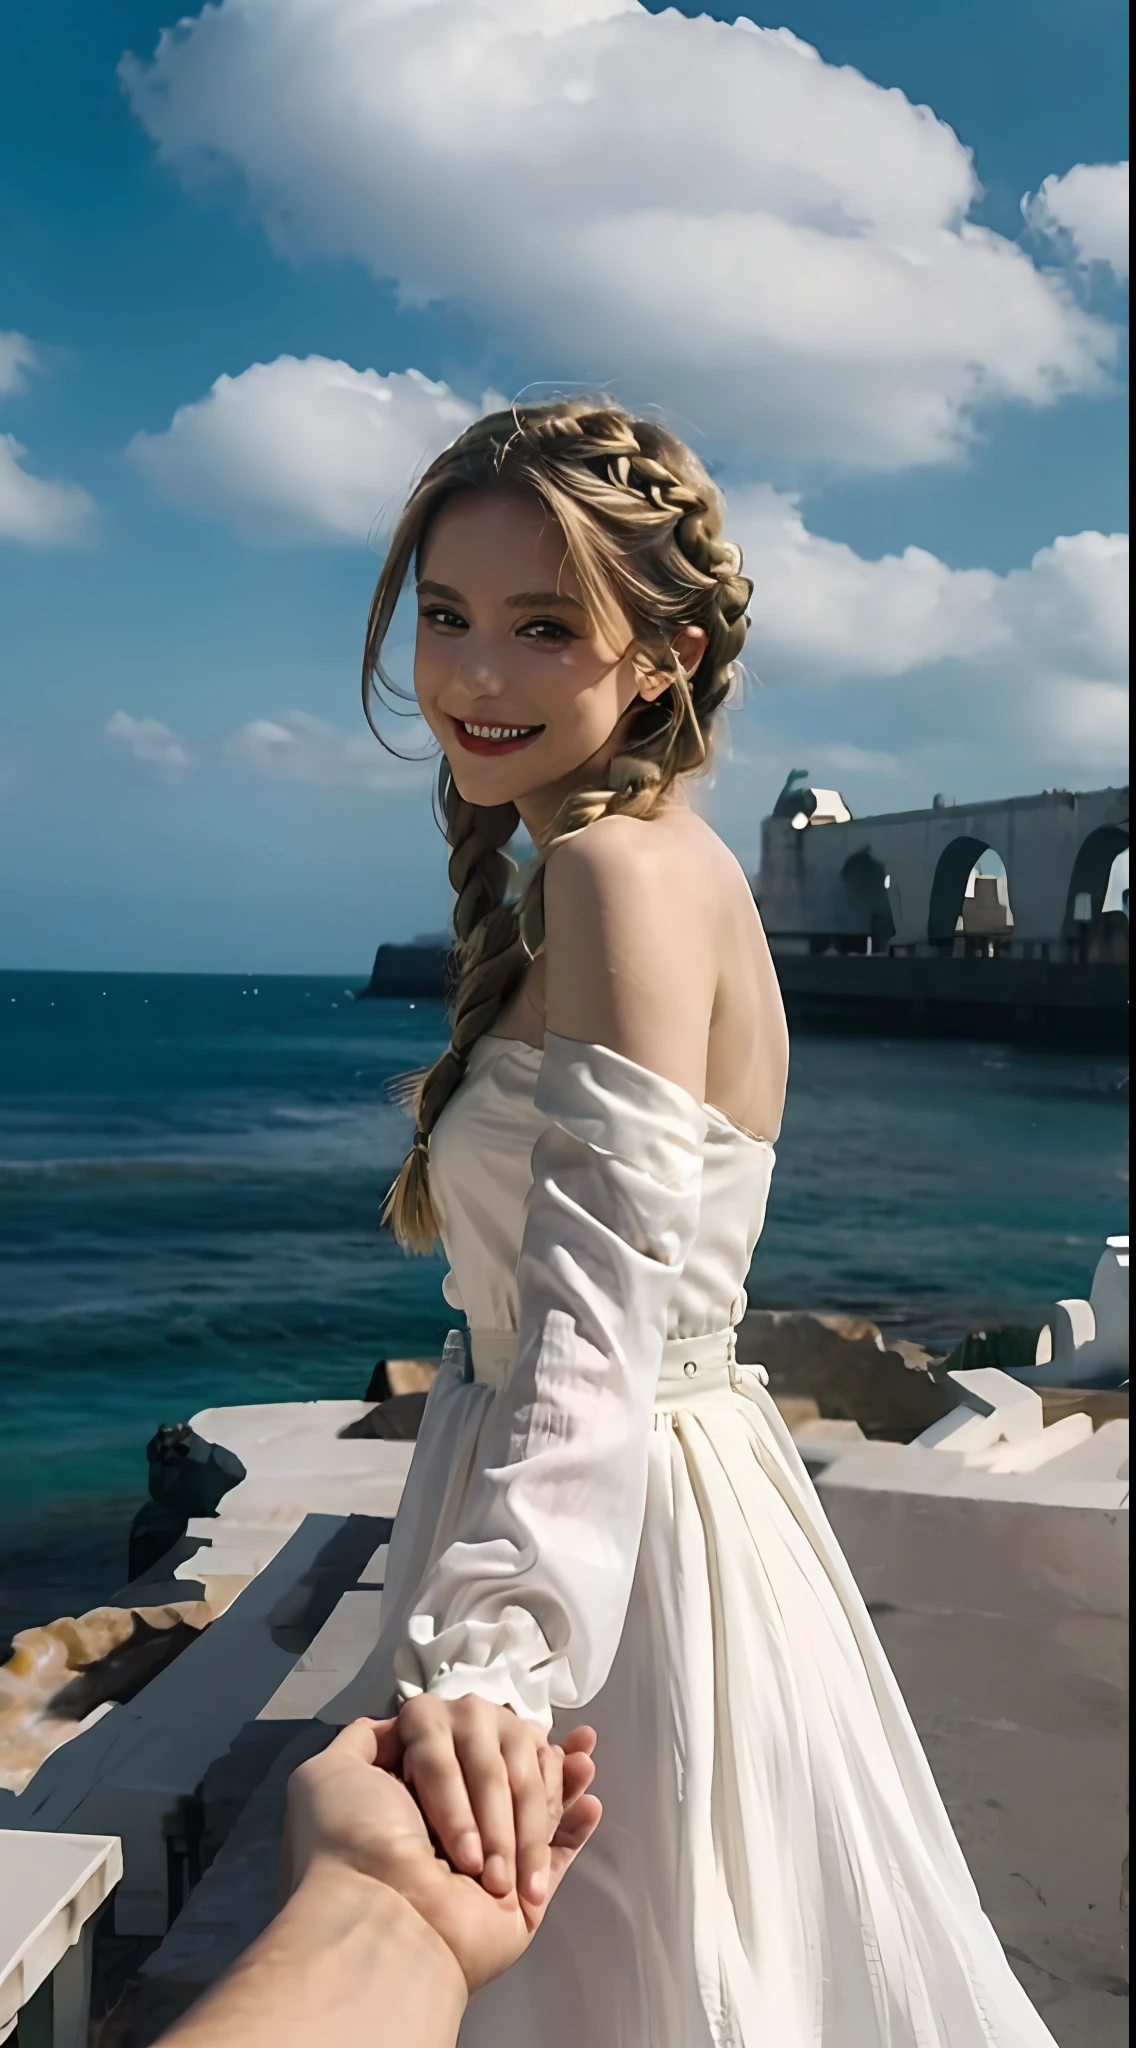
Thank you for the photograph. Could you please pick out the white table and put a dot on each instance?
(51, 1887)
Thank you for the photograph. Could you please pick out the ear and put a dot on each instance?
(689, 643)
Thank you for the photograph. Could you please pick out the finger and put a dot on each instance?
(550, 1758)
(577, 1827)
(530, 1810)
(358, 1740)
(432, 1770)
(478, 1747)
(579, 1741)
(578, 1774)
(388, 1744)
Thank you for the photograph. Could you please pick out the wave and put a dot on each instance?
(17, 1175)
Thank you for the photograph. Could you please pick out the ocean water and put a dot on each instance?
(191, 1169)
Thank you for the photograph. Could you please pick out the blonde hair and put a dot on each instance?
(642, 524)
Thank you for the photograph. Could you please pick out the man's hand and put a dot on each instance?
(348, 1808)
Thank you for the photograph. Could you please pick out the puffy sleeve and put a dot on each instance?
(526, 1606)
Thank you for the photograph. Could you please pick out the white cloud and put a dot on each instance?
(1087, 208)
(824, 615)
(36, 510)
(1087, 722)
(904, 670)
(303, 450)
(307, 749)
(156, 745)
(18, 355)
(782, 258)
(301, 748)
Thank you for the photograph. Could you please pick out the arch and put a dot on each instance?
(949, 887)
(1090, 877)
(866, 885)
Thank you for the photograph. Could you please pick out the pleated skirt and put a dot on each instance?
(775, 1867)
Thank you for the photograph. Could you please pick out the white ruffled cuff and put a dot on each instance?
(506, 1661)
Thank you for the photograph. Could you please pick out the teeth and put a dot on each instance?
(496, 732)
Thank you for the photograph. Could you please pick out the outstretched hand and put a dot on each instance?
(349, 1807)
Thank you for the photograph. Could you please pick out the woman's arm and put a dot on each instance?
(523, 1612)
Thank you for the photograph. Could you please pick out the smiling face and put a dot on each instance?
(523, 688)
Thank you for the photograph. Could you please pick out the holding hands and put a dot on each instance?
(379, 1938)
(508, 1810)
(492, 1787)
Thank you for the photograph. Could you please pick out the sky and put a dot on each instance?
(258, 265)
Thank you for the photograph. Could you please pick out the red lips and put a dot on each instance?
(475, 745)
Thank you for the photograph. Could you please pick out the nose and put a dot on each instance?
(478, 680)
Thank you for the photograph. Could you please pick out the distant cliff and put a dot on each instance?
(415, 970)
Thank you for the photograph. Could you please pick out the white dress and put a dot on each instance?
(606, 1519)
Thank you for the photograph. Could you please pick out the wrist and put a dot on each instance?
(333, 1897)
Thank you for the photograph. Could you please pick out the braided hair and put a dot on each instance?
(642, 523)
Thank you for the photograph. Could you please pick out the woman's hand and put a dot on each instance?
(350, 1822)
(491, 1787)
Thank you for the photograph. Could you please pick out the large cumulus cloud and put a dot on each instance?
(782, 257)
(302, 450)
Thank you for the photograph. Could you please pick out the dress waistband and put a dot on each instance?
(691, 1368)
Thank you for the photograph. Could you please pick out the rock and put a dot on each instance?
(845, 1365)
(416, 970)
(188, 1477)
(398, 1419)
(401, 1376)
(1101, 1405)
(60, 1673)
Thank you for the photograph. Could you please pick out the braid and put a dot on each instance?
(490, 960)
(643, 526)
(631, 457)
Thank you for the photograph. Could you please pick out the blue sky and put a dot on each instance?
(910, 391)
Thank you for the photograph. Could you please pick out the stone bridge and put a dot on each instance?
(896, 883)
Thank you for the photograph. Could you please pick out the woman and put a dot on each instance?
(603, 1508)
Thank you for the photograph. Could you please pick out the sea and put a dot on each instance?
(191, 1171)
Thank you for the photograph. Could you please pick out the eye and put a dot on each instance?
(552, 631)
(443, 616)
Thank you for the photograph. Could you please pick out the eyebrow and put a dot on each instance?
(525, 598)
(521, 602)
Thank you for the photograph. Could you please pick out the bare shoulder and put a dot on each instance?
(654, 947)
(605, 847)
(631, 953)
(642, 860)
